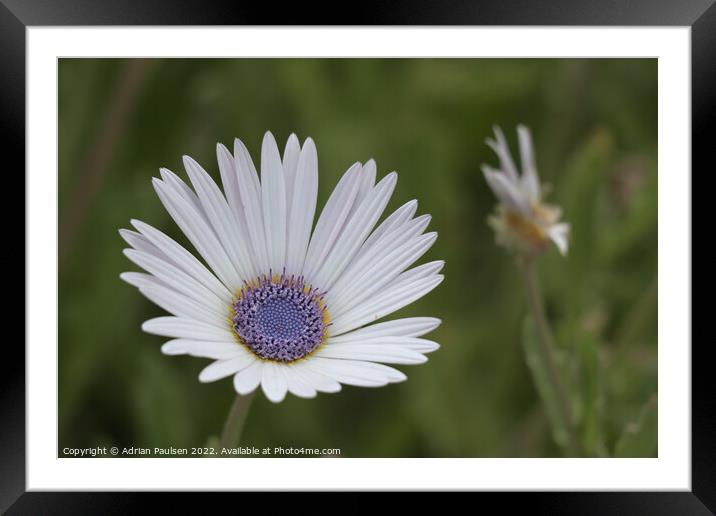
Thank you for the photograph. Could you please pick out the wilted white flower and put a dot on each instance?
(522, 222)
(280, 303)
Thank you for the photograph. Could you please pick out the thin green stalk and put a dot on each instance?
(231, 434)
(546, 349)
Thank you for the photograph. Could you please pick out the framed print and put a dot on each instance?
(365, 258)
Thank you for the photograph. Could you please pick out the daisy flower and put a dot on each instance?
(274, 301)
(522, 222)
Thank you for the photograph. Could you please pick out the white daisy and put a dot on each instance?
(523, 222)
(277, 304)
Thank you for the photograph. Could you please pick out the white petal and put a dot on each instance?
(181, 189)
(382, 247)
(140, 279)
(303, 208)
(407, 327)
(559, 234)
(172, 301)
(367, 181)
(200, 234)
(203, 349)
(530, 180)
(391, 240)
(330, 222)
(247, 380)
(229, 178)
(178, 280)
(223, 368)
(409, 343)
(382, 353)
(421, 271)
(503, 152)
(402, 292)
(230, 181)
(273, 382)
(395, 219)
(184, 260)
(356, 231)
(291, 153)
(376, 268)
(181, 328)
(221, 218)
(141, 243)
(355, 372)
(298, 384)
(507, 193)
(419, 345)
(273, 202)
(319, 382)
(250, 190)
(381, 272)
(182, 306)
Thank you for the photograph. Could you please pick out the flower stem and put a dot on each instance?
(231, 434)
(547, 350)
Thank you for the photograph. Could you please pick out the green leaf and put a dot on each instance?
(640, 438)
(589, 377)
(540, 374)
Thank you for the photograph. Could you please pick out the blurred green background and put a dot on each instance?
(594, 124)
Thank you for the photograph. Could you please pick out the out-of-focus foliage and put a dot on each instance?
(594, 125)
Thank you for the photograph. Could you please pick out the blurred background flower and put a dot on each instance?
(522, 222)
(594, 126)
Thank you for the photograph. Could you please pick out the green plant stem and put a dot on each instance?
(546, 347)
(231, 433)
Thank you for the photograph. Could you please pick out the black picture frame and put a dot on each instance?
(699, 15)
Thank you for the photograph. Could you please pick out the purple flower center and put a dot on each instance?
(280, 319)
